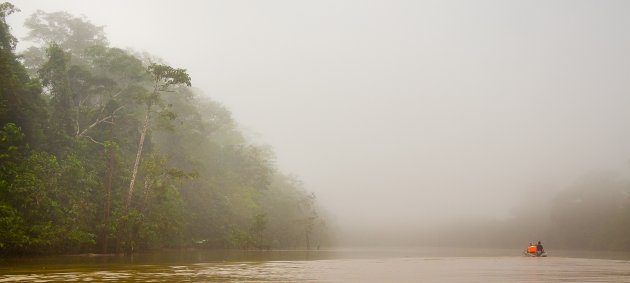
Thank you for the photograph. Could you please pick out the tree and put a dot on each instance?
(54, 75)
(75, 34)
(20, 99)
(257, 229)
(7, 40)
(164, 77)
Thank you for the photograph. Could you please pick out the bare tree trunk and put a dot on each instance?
(134, 173)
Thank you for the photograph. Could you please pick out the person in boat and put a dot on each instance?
(539, 248)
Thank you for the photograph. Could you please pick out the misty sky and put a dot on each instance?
(403, 112)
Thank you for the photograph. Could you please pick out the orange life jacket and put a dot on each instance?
(531, 249)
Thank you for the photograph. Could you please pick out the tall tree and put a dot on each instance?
(164, 77)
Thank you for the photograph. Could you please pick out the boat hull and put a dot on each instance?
(535, 254)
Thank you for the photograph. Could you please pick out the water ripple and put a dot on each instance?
(434, 269)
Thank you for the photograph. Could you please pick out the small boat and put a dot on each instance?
(532, 251)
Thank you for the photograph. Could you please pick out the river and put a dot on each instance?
(373, 265)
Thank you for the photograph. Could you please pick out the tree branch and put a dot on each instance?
(102, 120)
(94, 141)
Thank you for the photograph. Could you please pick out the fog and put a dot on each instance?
(402, 114)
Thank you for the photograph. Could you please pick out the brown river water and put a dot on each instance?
(384, 265)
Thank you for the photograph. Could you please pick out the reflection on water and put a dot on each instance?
(330, 266)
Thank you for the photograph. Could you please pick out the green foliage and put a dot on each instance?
(238, 238)
(20, 101)
(166, 76)
(72, 147)
(31, 189)
(13, 236)
(257, 230)
(55, 77)
(74, 33)
(294, 220)
(7, 40)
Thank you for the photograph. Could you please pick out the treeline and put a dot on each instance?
(104, 150)
(591, 214)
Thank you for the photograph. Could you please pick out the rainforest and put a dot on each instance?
(104, 150)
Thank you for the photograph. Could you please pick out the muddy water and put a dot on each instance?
(321, 266)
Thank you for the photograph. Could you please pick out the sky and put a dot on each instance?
(402, 113)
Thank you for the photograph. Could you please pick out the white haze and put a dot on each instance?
(403, 113)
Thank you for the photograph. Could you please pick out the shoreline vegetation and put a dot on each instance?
(104, 150)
